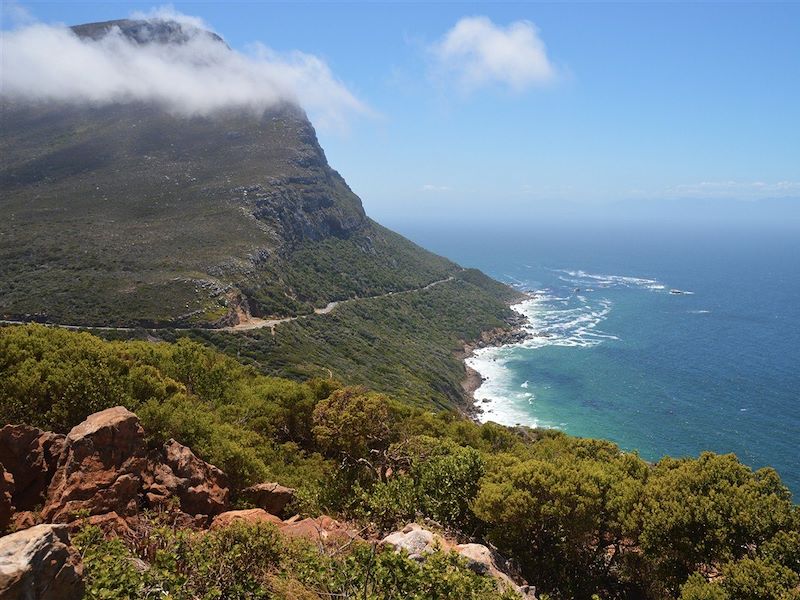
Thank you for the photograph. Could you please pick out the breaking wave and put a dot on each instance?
(570, 314)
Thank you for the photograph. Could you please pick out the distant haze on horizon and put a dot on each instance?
(503, 113)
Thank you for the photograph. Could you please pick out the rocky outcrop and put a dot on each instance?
(484, 561)
(418, 542)
(30, 455)
(250, 515)
(103, 468)
(201, 487)
(111, 524)
(100, 468)
(23, 520)
(6, 493)
(272, 497)
(39, 564)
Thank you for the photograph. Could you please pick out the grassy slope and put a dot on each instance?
(403, 344)
(129, 216)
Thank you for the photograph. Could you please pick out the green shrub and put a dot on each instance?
(709, 510)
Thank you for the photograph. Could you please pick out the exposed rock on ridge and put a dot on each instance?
(103, 466)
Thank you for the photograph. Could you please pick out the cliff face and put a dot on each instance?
(272, 167)
(128, 214)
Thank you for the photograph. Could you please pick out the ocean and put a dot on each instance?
(667, 341)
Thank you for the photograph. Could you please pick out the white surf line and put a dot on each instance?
(254, 323)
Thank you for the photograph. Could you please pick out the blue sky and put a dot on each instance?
(643, 102)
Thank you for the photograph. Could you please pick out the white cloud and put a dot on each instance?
(479, 53)
(430, 187)
(743, 190)
(168, 12)
(47, 63)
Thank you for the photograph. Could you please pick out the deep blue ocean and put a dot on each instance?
(621, 356)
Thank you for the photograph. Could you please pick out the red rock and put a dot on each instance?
(31, 456)
(111, 524)
(24, 519)
(320, 530)
(272, 497)
(252, 515)
(201, 487)
(6, 493)
(100, 467)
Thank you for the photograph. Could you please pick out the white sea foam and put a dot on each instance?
(583, 278)
(492, 396)
(553, 320)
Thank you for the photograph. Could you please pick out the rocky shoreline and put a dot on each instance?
(514, 333)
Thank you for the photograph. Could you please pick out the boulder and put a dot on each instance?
(252, 515)
(418, 542)
(415, 540)
(39, 564)
(321, 530)
(6, 493)
(201, 487)
(100, 469)
(272, 497)
(31, 456)
(484, 561)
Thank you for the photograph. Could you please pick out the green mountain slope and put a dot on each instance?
(127, 215)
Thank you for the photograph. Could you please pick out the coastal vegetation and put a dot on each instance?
(577, 516)
(406, 345)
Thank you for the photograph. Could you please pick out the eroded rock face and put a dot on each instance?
(40, 564)
(100, 467)
(272, 497)
(31, 456)
(6, 493)
(201, 487)
(111, 524)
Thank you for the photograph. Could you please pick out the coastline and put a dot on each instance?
(514, 333)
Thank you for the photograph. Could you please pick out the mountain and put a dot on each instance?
(151, 31)
(125, 214)
(128, 215)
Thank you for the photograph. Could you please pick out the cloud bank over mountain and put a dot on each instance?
(198, 76)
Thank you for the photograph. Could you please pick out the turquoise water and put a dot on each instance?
(621, 357)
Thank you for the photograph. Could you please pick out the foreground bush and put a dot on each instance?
(578, 517)
(245, 562)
